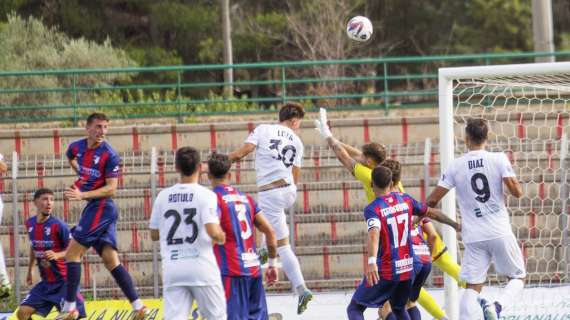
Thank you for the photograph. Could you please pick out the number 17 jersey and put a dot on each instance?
(477, 177)
(278, 148)
(180, 214)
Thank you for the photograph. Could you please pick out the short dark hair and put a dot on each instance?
(375, 151)
(395, 167)
(219, 165)
(187, 160)
(381, 177)
(290, 111)
(40, 192)
(96, 116)
(477, 130)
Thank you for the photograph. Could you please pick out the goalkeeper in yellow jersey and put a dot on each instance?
(360, 164)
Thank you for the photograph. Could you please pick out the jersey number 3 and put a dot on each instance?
(190, 213)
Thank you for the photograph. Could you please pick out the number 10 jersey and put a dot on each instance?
(180, 213)
(278, 148)
(478, 178)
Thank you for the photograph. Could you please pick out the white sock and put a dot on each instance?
(469, 308)
(137, 304)
(3, 274)
(291, 267)
(68, 306)
(511, 292)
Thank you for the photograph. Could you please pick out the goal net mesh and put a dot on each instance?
(528, 120)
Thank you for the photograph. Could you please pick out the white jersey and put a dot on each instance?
(478, 179)
(1, 203)
(278, 148)
(180, 214)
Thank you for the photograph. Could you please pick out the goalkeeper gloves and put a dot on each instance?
(321, 125)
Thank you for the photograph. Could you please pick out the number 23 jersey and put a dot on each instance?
(278, 149)
(478, 179)
(180, 213)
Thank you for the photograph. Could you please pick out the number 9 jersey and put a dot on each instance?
(478, 179)
(180, 213)
(278, 148)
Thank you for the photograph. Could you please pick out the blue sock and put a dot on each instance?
(73, 276)
(391, 316)
(125, 282)
(415, 313)
(355, 311)
(401, 314)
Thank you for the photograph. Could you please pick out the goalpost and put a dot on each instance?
(527, 107)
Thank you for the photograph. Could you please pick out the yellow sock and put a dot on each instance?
(447, 265)
(427, 301)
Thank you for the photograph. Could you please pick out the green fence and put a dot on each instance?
(189, 91)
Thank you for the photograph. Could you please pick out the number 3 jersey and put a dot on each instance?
(238, 256)
(180, 213)
(478, 179)
(278, 148)
(392, 215)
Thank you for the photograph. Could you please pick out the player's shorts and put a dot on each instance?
(178, 301)
(44, 296)
(422, 271)
(97, 226)
(397, 292)
(246, 298)
(273, 204)
(504, 252)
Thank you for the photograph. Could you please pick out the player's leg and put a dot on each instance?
(211, 301)
(370, 297)
(236, 296)
(36, 302)
(73, 256)
(508, 261)
(177, 301)
(422, 273)
(476, 261)
(385, 312)
(355, 311)
(399, 298)
(257, 300)
(25, 312)
(4, 281)
(123, 279)
(273, 204)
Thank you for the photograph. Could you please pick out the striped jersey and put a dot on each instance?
(238, 256)
(95, 165)
(422, 252)
(52, 234)
(392, 215)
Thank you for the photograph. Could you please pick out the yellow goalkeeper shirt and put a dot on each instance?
(364, 174)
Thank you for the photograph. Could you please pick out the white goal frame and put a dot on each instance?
(447, 146)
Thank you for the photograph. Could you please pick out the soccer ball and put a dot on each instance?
(359, 28)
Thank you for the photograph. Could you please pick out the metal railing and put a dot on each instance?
(187, 91)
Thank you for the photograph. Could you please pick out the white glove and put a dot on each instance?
(321, 125)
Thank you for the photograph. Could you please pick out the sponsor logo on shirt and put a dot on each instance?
(404, 265)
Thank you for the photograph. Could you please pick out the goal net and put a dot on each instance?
(526, 107)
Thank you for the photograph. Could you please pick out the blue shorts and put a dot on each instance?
(245, 298)
(97, 226)
(397, 292)
(422, 271)
(44, 296)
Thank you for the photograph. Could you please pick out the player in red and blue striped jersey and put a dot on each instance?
(390, 271)
(97, 165)
(237, 258)
(49, 238)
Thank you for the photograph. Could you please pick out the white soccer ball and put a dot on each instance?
(359, 28)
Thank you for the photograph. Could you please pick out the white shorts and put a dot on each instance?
(178, 301)
(273, 204)
(505, 254)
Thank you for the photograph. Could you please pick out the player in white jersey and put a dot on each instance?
(478, 177)
(4, 282)
(278, 160)
(185, 221)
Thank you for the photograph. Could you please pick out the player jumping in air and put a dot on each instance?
(278, 159)
(360, 163)
(237, 258)
(390, 271)
(478, 177)
(49, 238)
(97, 167)
(185, 221)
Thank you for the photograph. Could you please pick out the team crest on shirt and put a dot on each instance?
(30, 229)
(96, 159)
(47, 231)
(390, 200)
